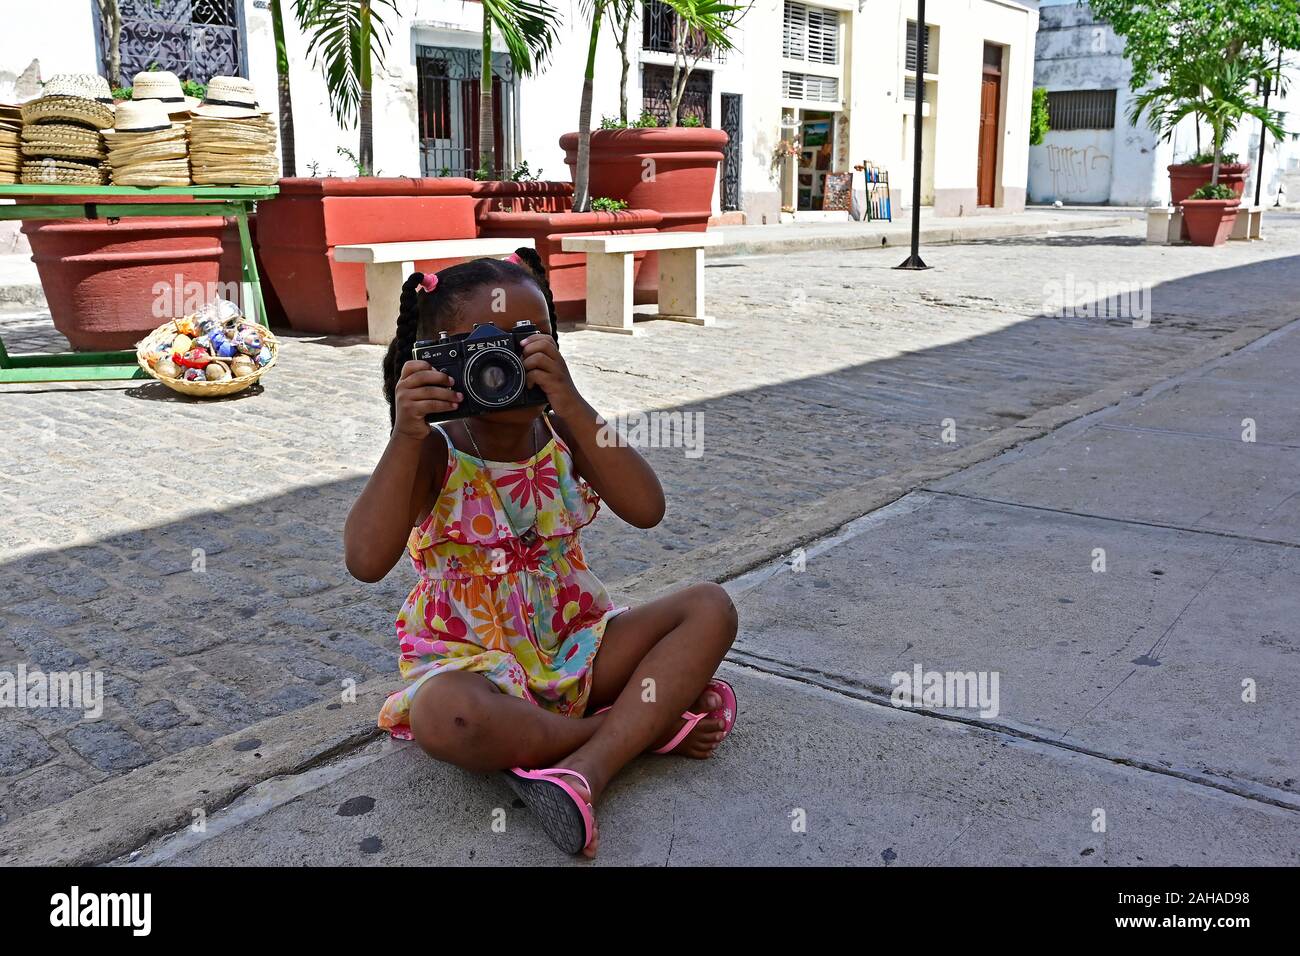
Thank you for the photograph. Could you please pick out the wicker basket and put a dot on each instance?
(205, 389)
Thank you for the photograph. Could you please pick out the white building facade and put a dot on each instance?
(1094, 154)
(831, 77)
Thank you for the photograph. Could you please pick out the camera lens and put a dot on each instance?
(494, 377)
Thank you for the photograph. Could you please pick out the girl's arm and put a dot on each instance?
(618, 473)
(399, 490)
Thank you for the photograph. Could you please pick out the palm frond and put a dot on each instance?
(528, 28)
(333, 29)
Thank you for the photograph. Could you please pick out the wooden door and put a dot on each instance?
(990, 101)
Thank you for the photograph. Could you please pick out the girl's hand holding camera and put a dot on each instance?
(547, 370)
(422, 390)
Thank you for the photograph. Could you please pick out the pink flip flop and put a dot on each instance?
(567, 818)
(727, 713)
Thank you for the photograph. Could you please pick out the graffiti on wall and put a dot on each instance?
(1071, 166)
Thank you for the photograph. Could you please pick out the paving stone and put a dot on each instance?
(158, 715)
(21, 747)
(41, 788)
(107, 745)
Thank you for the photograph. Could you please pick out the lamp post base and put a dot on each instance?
(912, 262)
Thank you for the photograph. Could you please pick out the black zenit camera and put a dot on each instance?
(487, 365)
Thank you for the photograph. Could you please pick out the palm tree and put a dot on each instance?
(528, 29)
(1215, 89)
(288, 157)
(347, 39)
(582, 171)
(703, 26)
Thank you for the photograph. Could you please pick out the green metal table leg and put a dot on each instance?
(250, 264)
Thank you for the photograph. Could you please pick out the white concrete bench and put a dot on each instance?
(389, 263)
(1249, 224)
(610, 280)
(1164, 225)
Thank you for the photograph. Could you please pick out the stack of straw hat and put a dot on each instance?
(60, 136)
(11, 126)
(145, 148)
(232, 140)
(164, 87)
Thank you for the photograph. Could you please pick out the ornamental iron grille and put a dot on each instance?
(448, 84)
(657, 94)
(659, 31)
(195, 39)
(732, 120)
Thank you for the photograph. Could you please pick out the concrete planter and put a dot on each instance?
(1209, 221)
(670, 170)
(299, 229)
(568, 270)
(100, 277)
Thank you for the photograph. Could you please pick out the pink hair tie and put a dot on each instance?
(429, 282)
(514, 257)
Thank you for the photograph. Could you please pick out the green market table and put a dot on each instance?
(234, 201)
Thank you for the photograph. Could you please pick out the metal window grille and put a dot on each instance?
(660, 28)
(448, 99)
(1081, 109)
(195, 39)
(810, 87)
(657, 93)
(811, 34)
(931, 46)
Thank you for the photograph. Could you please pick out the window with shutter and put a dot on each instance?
(811, 34)
(931, 44)
(810, 87)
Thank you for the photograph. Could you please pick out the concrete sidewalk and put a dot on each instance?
(1124, 731)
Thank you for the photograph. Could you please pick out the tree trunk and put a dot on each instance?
(367, 156)
(288, 157)
(111, 13)
(623, 44)
(676, 90)
(582, 172)
(486, 126)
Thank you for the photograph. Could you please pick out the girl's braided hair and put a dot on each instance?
(422, 313)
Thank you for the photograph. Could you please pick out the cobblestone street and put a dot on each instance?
(824, 370)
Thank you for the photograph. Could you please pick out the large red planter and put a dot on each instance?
(100, 277)
(1186, 178)
(298, 230)
(1209, 221)
(672, 170)
(567, 271)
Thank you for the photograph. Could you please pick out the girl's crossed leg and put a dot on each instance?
(652, 664)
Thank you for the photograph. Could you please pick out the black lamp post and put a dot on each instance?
(914, 261)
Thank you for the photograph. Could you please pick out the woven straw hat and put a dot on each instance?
(62, 171)
(140, 117)
(124, 149)
(166, 172)
(74, 109)
(229, 97)
(86, 85)
(62, 139)
(163, 87)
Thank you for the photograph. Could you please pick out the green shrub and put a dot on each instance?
(692, 121)
(647, 121)
(612, 122)
(605, 204)
(1039, 117)
(1206, 158)
(1217, 191)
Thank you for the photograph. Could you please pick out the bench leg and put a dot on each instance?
(681, 286)
(609, 292)
(1257, 224)
(383, 298)
(1158, 227)
(1241, 225)
(1175, 227)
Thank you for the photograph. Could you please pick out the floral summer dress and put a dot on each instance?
(525, 612)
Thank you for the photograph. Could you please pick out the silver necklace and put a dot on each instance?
(530, 534)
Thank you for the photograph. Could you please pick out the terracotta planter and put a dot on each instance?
(568, 270)
(540, 196)
(298, 230)
(100, 277)
(1209, 221)
(684, 161)
(1186, 178)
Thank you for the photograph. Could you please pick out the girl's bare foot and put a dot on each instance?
(588, 794)
(707, 733)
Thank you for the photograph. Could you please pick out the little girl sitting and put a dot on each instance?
(516, 657)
